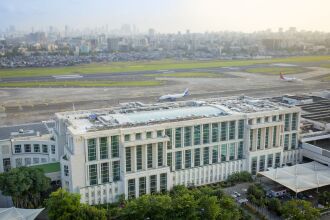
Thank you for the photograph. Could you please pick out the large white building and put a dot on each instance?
(136, 149)
(28, 145)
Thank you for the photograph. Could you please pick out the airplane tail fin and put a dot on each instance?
(281, 75)
(186, 92)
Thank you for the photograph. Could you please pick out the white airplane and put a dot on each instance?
(173, 97)
(288, 79)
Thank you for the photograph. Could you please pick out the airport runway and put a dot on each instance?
(22, 105)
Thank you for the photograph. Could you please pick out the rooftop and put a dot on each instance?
(25, 130)
(317, 111)
(49, 167)
(136, 113)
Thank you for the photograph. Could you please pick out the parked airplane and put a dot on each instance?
(288, 79)
(173, 97)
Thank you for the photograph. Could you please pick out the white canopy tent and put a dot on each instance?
(300, 177)
(19, 214)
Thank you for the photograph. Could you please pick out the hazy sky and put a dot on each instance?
(168, 15)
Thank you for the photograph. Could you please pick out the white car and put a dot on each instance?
(237, 194)
(234, 196)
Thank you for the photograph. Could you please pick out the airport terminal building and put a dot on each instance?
(137, 148)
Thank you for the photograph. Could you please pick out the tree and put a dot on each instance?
(324, 198)
(147, 206)
(184, 207)
(229, 209)
(25, 185)
(299, 210)
(256, 195)
(210, 207)
(274, 205)
(86, 212)
(63, 205)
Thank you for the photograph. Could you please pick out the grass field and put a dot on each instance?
(81, 84)
(151, 65)
(186, 75)
(277, 70)
(49, 168)
(326, 65)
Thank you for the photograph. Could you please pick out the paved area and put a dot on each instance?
(22, 105)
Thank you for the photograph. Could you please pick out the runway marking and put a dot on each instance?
(68, 76)
(283, 64)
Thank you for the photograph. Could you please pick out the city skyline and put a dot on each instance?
(167, 17)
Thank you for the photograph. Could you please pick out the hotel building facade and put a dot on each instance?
(136, 149)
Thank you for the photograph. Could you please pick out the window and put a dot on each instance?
(197, 135)
(142, 186)
(53, 149)
(115, 146)
(206, 134)
(223, 152)
(287, 122)
(224, 131)
(215, 154)
(206, 155)
(267, 119)
(91, 144)
(232, 151)
(139, 157)
(43, 160)
(36, 148)
(153, 184)
(168, 132)
(27, 148)
(274, 118)
(277, 160)
(18, 148)
(160, 154)
(240, 129)
(294, 141)
(215, 132)
(251, 139)
(267, 138)
(138, 136)
(127, 137)
(270, 160)
(197, 161)
(178, 160)
(163, 182)
(258, 120)
(45, 148)
(149, 134)
(262, 163)
(286, 142)
(149, 156)
(240, 150)
(66, 170)
(178, 137)
(274, 136)
(27, 161)
(93, 174)
(36, 160)
(187, 136)
(169, 159)
(232, 128)
(160, 133)
(254, 165)
(187, 159)
(116, 170)
(103, 148)
(259, 139)
(131, 188)
(128, 159)
(19, 162)
(294, 121)
(104, 172)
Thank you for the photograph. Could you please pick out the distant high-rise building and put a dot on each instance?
(151, 32)
(113, 44)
